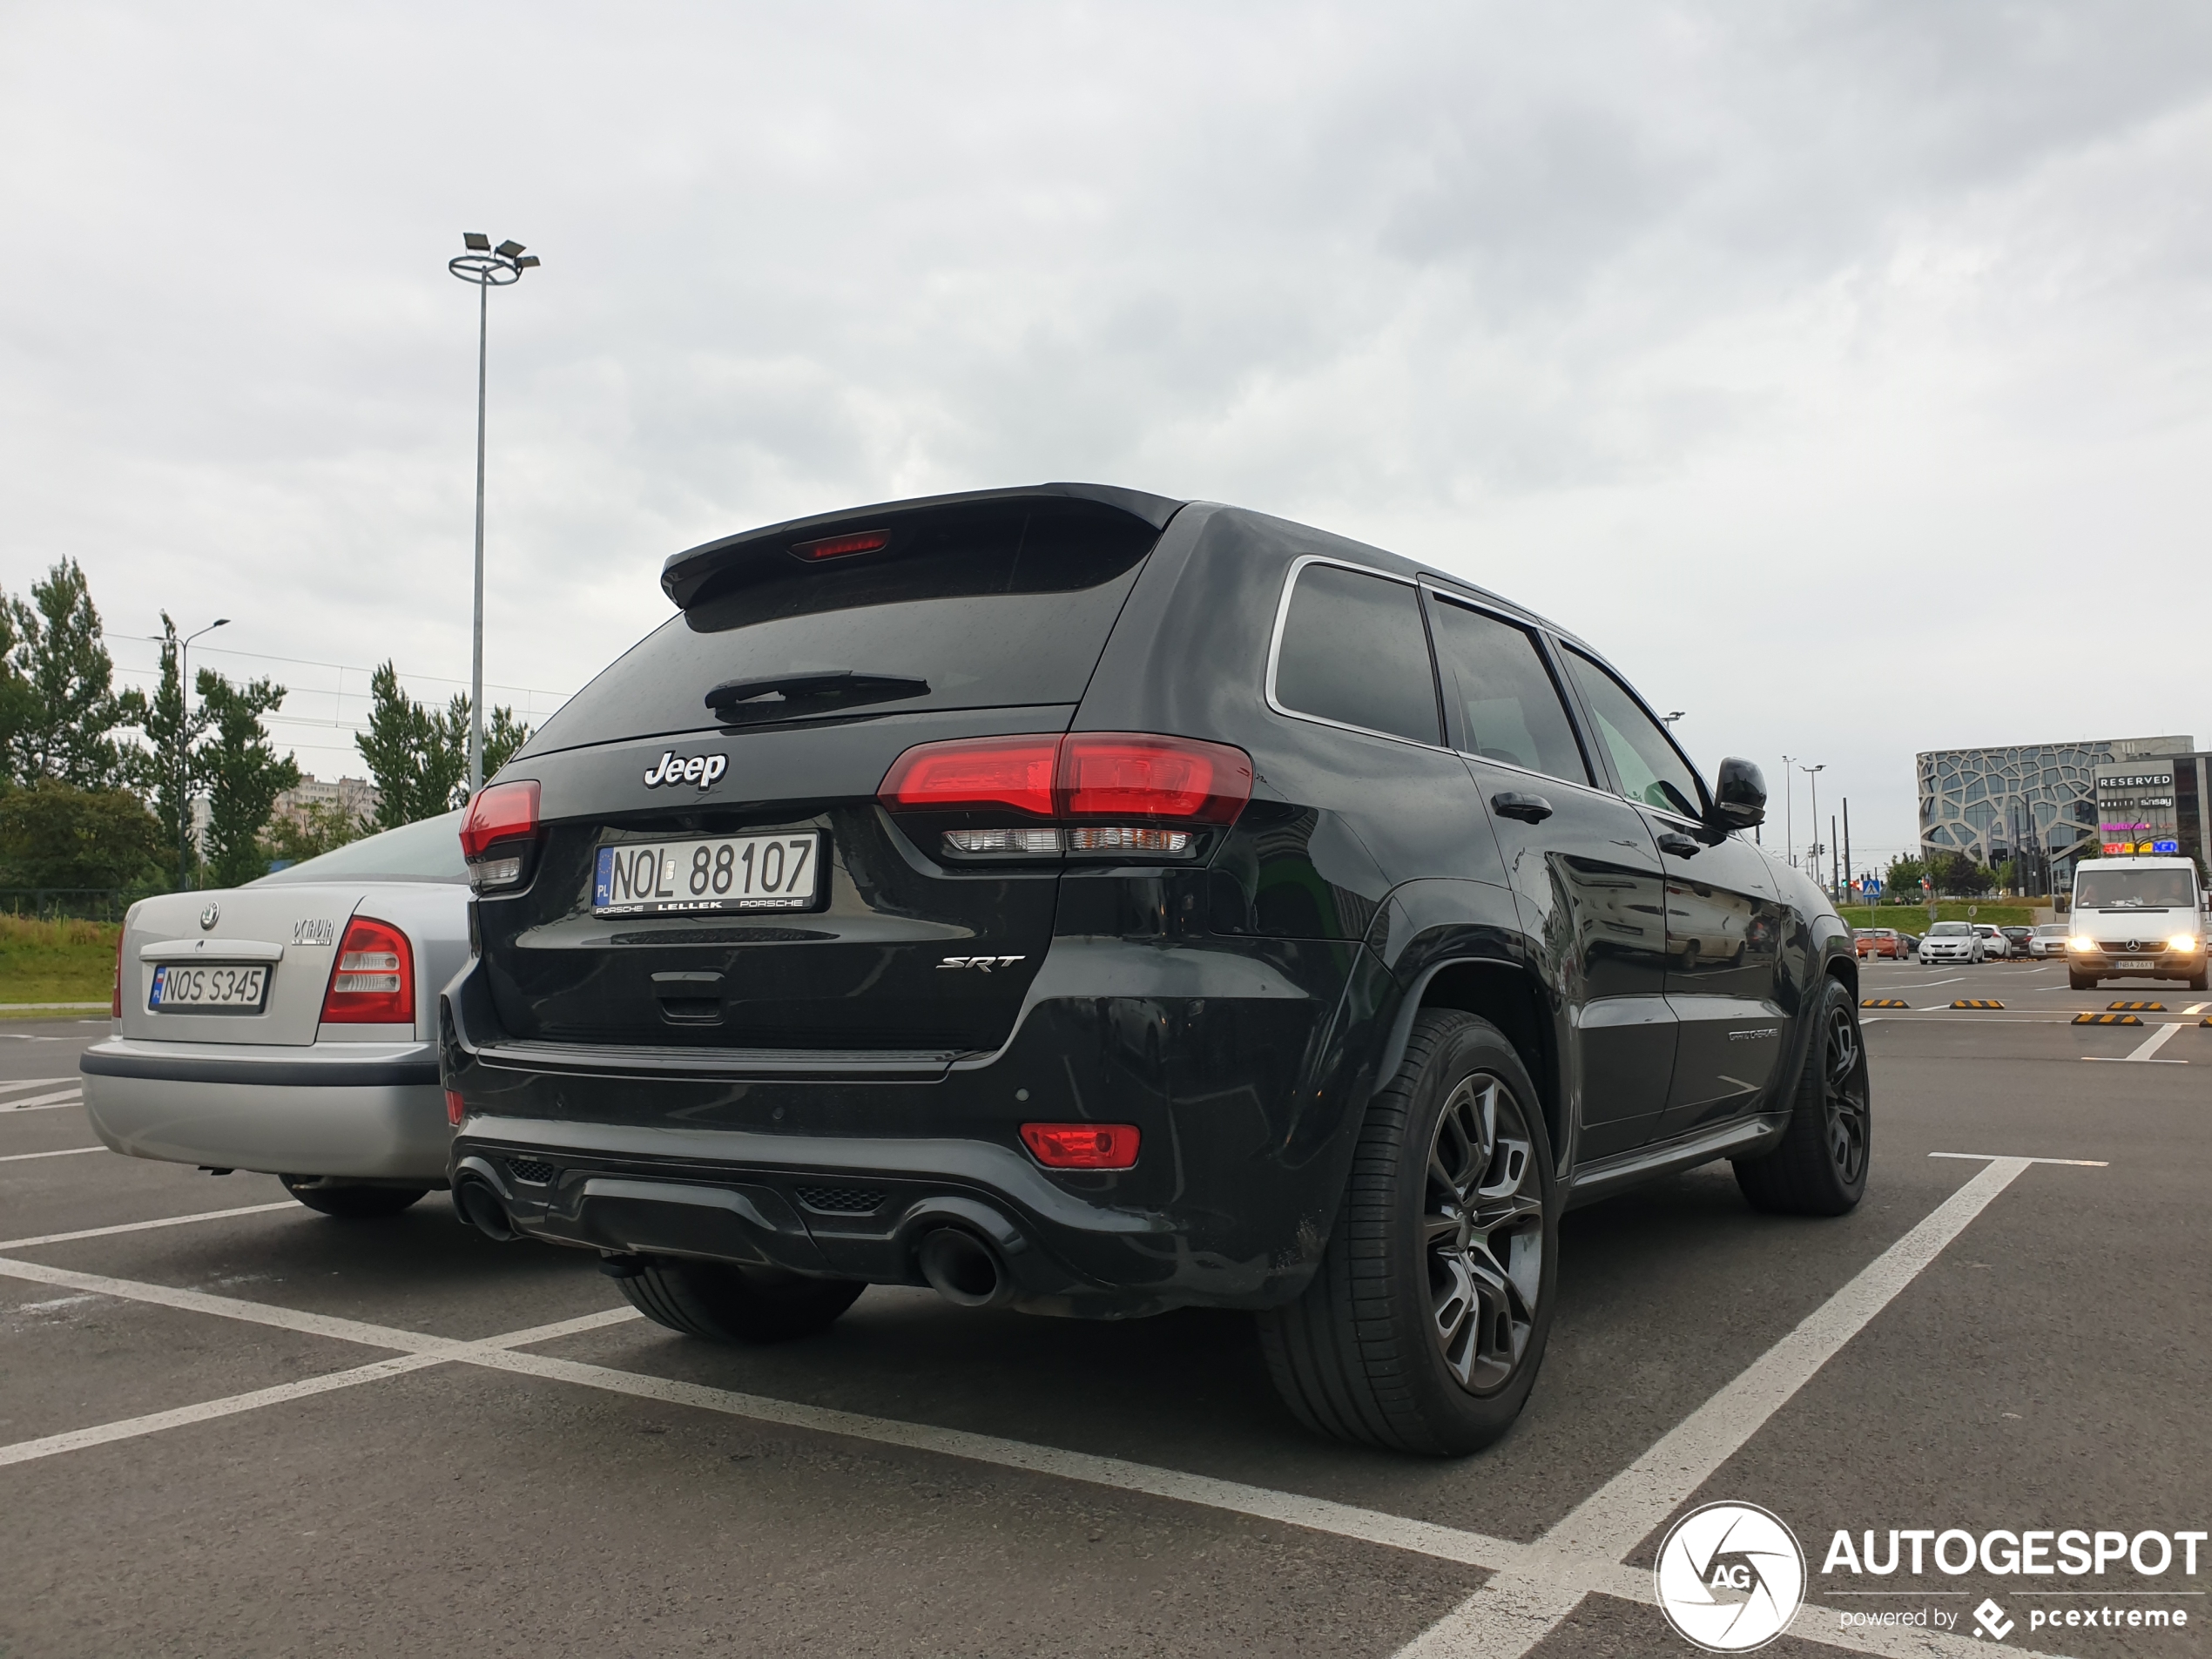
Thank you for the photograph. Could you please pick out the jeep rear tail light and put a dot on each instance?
(373, 983)
(1012, 773)
(1130, 775)
(496, 836)
(1082, 1146)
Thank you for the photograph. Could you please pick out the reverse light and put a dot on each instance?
(843, 547)
(1003, 840)
(2182, 942)
(1082, 1146)
(1128, 838)
(504, 813)
(373, 981)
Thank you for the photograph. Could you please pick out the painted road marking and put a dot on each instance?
(2150, 1046)
(21, 1083)
(1514, 1612)
(46, 1102)
(66, 1152)
(143, 1226)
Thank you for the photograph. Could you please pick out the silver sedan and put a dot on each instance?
(290, 1026)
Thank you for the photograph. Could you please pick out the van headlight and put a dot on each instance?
(2081, 942)
(2182, 942)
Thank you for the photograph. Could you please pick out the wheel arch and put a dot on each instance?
(1511, 998)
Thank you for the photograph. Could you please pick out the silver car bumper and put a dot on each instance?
(368, 1110)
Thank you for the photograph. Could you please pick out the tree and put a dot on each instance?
(155, 772)
(54, 835)
(318, 826)
(419, 756)
(18, 702)
(1956, 872)
(244, 775)
(1903, 881)
(71, 707)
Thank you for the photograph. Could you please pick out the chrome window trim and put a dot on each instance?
(1275, 651)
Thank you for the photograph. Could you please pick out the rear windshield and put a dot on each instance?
(994, 607)
(428, 851)
(2095, 889)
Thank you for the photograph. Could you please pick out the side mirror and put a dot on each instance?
(1739, 796)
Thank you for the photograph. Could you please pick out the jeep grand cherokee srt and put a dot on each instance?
(1096, 904)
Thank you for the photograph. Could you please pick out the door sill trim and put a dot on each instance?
(1732, 1139)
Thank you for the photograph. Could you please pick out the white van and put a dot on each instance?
(2136, 919)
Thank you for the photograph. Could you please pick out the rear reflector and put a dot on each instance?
(1082, 1146)
(503, 813)
(373, 981)
(1115, 775)
(843, 547)
(456, 1108)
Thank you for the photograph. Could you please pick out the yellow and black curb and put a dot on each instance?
(2136, 1007)
(1976, 1002)
(2110, 1019)
(1899, 1003)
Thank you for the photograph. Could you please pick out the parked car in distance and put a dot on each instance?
(1877, 941)
(1908, 944)
(1051, 895)
(2017, 940)
(288, 1026)
(2048, 940)
(1994, 944)
(1951, 942)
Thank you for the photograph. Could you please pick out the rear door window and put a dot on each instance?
(1502, 699)
(1651, 770)
(1352, 650)
(996, 607)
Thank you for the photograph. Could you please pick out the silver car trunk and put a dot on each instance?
(293, 930)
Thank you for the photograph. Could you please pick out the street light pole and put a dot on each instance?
(1812, 775)
(1789, 815)
(488, 267)
(184, 747)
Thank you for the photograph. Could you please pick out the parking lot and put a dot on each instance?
(230, 1425)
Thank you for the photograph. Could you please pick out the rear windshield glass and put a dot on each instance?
(428, 851)
(2133, 890)
(983, 608)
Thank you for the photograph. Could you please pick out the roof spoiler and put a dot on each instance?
(685, 573)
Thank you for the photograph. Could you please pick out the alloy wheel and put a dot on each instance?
(1482, 1234)
(1843, 1085)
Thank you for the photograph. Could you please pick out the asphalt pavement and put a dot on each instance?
(229, 1425)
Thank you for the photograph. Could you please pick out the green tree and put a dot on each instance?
(243, 773)
(503, 736)
(419, 756)
(72, 707)
(1902, 884)
(318, 826)
(18, 704)
(1956, 872)
(54, 835)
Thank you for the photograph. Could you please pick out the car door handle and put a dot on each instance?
(1529, 809)
(1681, 845)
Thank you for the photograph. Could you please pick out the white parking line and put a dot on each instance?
(22, 1084)
(2150, 1046)
(1513, 1612)
(45, 1102)
(143, 1226)
(66, 1152)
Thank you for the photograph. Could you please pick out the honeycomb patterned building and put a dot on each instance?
(1990, 803)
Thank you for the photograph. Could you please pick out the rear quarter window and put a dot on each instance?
(1352, 650)
(996, 607)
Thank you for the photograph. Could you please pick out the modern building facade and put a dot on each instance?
(2041, 799)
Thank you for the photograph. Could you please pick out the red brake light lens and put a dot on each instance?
(1124, 775)
(373, 981)
(1082, 1146)
(456, 1108)
(503, 813)
(843, 547)
(1013, 773)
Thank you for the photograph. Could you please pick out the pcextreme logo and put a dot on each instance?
(1731, 1577)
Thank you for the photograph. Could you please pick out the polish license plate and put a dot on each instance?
(728, 873)
(214, 988)
(2136, 962)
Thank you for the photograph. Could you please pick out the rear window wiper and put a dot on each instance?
(775, 696)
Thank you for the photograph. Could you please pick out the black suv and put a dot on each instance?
(1096, 904)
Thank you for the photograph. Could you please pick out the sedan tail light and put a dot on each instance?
(373, 983)
(497, 835)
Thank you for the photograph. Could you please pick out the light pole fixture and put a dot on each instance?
(488, 267)
(184, 748)
(1812, 774)
(1671, 719)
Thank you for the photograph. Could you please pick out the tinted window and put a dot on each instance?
(428, 851)
(1501, 694)
(2122, 889)
(1650, 768)
(1353, 649)
(978, 609)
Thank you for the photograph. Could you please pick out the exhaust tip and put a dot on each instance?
(963, 1270)
(481, 1208)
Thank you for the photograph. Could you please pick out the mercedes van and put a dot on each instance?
(2136, 919)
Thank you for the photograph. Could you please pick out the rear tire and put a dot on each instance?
(724, 1303)
(1425, 1326)
(1820, 1167)
(2080, 982)
(352, 1203)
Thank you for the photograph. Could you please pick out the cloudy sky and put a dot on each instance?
(1840, 370)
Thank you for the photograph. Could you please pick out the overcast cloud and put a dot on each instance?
(1777, 350)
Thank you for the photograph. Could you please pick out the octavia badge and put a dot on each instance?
(210, 914)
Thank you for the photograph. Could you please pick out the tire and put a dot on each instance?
(724, 1303)
(1451, 1205)
(1820, 1167)
(2201, 981)
(352, 1203)
(2080, 982)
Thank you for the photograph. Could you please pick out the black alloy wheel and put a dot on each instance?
(1819, 1167)
(1484, 1224)
(1424, 1326)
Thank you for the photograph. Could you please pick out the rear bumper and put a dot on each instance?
(1240, 1086)
(370, 1110)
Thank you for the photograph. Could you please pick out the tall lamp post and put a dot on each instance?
(488, 267)
(1789, 815)
(1812, 774)
(184, 747)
